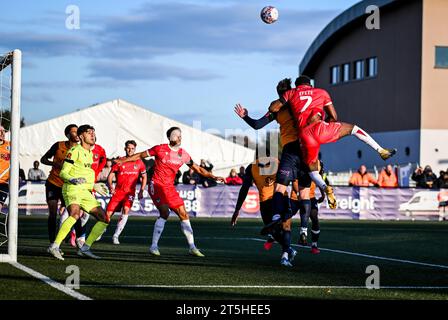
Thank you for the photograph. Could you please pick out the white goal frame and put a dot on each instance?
(15, 59)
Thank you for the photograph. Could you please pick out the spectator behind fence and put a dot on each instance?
(388, 178)
(190, 177)
(442, 181)
(177, 177)
(22, 177)
(206, 182)
(424, 178)
(36, 174)
(233, 178)
(102, 177)
(242, 173)
(206, 165)
(362, 178)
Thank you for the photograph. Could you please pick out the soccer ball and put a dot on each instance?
(269, 14)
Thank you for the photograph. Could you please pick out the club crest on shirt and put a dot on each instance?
(269, 181)
(135, 166)
(179, 155)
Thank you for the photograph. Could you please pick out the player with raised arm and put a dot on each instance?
(262, 172)
(127, 176)
(168, 159)
(53, 186)
(79, 178)
(309, 106)
(291, 165)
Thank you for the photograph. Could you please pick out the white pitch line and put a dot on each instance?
(256, 286)
(322, 249)
(370, 256)
(51, 282)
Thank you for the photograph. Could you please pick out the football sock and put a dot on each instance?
(365, 137)
(305, 211)
(286, 241)
(317, 178)
(287, 213)
(277, 235)
(295, 206)
(64, 230)
(158, 229)
(51, 227)
(278, 202)
(185, 225)
(315, 228)
(121, 224)
(78, 228)
(304, 230)
(315, 235)
(84, 218)
(96, 231)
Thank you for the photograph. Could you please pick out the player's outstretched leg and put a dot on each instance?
(351, 129)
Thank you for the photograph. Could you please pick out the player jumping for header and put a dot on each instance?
(308, 106)
(168, 159)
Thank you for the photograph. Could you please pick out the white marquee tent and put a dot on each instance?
(117, 121)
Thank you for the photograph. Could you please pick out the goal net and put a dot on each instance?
(10, 84)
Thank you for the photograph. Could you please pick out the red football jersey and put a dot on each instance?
(167, 163)
(99, 159)
(127, 175)
(306, 101)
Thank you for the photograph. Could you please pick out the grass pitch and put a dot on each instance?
(236, 266)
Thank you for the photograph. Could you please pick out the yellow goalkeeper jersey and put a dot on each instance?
(78, 164)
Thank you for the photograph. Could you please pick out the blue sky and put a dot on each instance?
(188, 60)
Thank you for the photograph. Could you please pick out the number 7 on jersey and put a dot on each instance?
(308, 99)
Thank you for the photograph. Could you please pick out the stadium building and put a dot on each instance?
(391, 81)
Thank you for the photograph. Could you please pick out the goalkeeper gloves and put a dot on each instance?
(77, 180)
(101, 189)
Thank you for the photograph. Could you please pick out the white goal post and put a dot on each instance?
(11, 63)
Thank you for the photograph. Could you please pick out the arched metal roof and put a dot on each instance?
(350, 15)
